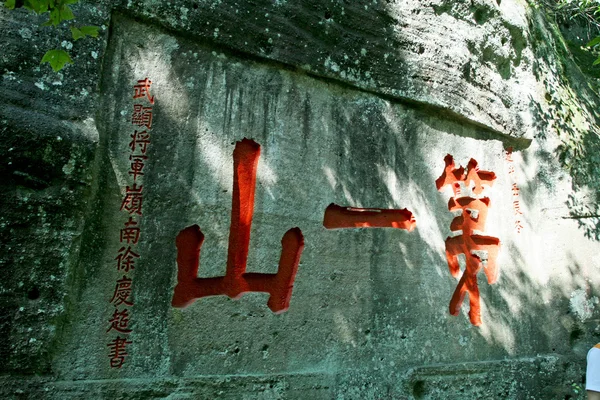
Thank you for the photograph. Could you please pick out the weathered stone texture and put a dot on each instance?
(353, 103)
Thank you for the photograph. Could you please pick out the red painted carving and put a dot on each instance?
(515, 191)
(131, 232)
(140, 140)
(118, 351)
(133, 200)
(141, 116)
(137, 165)
(119, 321)
(479, 250)
(237, 281)
(122, 292)
(337, 217)
(142, 89)
(126, 259)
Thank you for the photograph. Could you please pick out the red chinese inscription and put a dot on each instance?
(140, 140)
(337, 217)
(515, 191)
(133, 200)
(122, 294)
(142, 89)
(237, 281)
(130, 234)
(479, 250)
(118, 351)
(126, 259)
(119, 321)
(142, 116)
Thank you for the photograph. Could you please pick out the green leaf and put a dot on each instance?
(70, 1)
(58, 15)
(54, 18)
(76, 33)
(57, 59)
(80, 33)
(10, 4)
(89, 30)
(43, 6)
(30, 4)
(37, 6)
(593, 42)
(597, 61)
(66, 13)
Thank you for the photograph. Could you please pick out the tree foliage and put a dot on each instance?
(582, 12)
(58, 11)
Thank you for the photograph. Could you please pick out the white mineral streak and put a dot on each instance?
(581, 306)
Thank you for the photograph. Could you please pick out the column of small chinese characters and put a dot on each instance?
(514, 190)
(129, 234)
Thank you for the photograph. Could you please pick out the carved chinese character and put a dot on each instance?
(131, 232)
(122, 292)
(142, 89)
(515, 189)
(517, 207)
(140, 140)
(337, 217)
(137, 165)
(118, 351)
(237, 281)
(126, 259)
(119, 321)
(141, 116)
(133, 200)
(518, 225)
(479, 250)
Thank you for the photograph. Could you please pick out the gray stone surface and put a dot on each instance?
(352, 103)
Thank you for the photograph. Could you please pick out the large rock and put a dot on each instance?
(352, 103)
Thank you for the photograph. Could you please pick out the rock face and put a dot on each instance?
(243, 121)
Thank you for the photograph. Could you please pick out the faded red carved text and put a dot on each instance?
(129, 235)
(516, 203)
